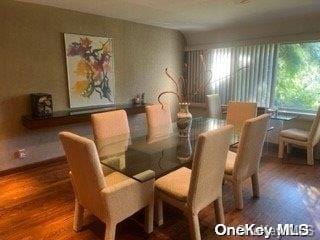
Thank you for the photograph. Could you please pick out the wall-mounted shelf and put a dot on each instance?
(71, 116)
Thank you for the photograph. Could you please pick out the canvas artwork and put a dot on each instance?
(91, 78)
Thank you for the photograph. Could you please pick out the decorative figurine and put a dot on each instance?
(136, 100)
(41, 105)
(142, 99)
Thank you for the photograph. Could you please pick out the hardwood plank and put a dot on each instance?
(31, 166)
(37, 204)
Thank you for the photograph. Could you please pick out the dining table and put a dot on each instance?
(143, 155)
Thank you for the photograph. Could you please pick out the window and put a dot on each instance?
(283, 76)
(220, 64)
(298, 77)
(243, 73)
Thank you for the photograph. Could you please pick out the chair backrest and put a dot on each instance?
(314, 136)
(158, 116)
(109, 124)
(250, 147)
(214, 105)
(86, 172)
(208, 167)
(159, 133)
(239, 112)
(114, 145)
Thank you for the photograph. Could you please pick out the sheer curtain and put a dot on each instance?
(245, 73)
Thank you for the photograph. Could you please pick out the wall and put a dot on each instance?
(302, 28)
(32, 60)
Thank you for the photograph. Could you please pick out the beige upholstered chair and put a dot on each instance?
(214, 105)
(109, 124)
(114, 149)
(239, 112)
(306, 139)
(158, 116)
(245, 163)
(159, 133)
(193, 190)
(112, 198)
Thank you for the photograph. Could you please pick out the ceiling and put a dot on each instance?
(191, 15)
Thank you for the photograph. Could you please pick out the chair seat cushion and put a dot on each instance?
(295, 133)
(231, 159)
(115, 178)
(175, 184)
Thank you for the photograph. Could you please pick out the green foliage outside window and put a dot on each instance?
(298, 76)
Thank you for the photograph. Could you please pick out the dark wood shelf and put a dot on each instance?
(75, 116)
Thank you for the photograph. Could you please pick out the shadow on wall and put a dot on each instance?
(39, 144)
(11, 110)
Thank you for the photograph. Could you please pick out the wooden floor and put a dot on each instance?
(38, 204)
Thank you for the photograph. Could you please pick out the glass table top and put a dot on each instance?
(144, 156)
(283, 117)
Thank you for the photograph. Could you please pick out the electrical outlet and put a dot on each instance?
(21, 153)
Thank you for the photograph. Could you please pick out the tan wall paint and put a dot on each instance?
(301, 28)
(32, 60)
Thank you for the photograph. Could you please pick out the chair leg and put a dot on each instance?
(267, 143)
(281, 148)
(78, 216)
(194, 226)
(159, 212)
(148, 225)
(255, 185)
(110, 232)
(310, 159)
(237, 192)
(218, 209)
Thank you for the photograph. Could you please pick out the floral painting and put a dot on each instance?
(91, 77)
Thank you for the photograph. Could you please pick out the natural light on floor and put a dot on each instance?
(312, 202)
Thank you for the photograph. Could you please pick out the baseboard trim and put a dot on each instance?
(32, 165)
(56, 160)
(63, 159)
